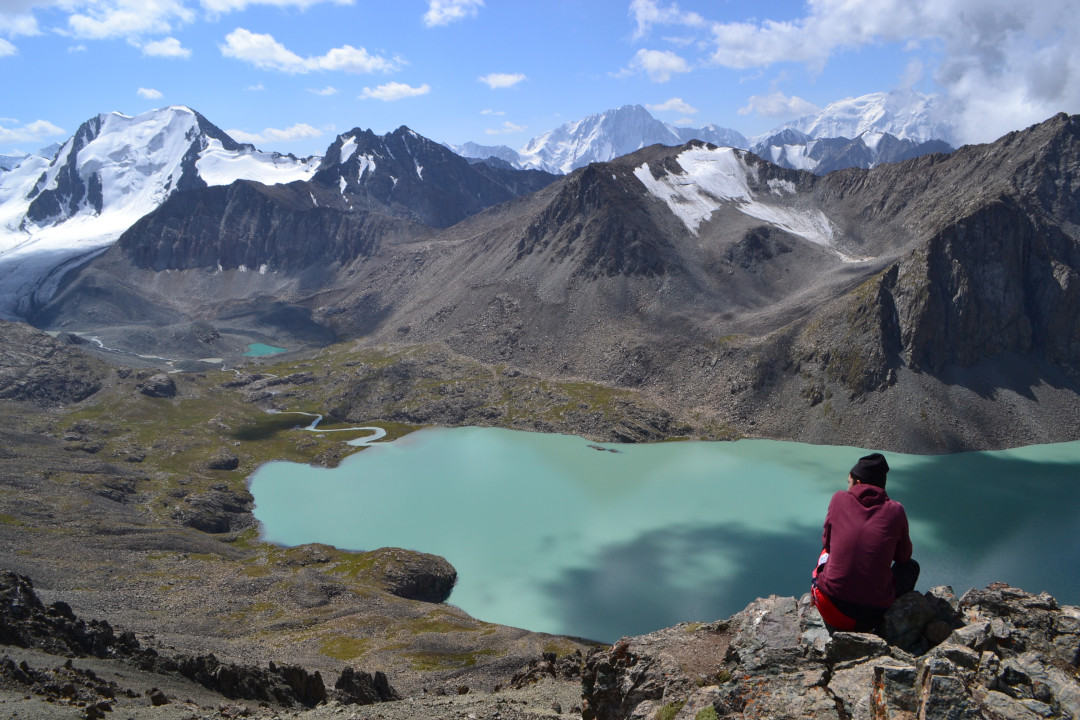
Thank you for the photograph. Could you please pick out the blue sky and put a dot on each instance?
(288, 75)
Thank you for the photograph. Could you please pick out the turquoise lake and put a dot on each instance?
(551, 534)
(260, 349)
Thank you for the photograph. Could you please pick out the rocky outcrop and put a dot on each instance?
(159, 385)
(26, 622)
(1000, 653)
(412, 575)
(220, 510)
(38, 369)
(356, 687)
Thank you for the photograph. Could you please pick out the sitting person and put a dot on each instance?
(865, 563)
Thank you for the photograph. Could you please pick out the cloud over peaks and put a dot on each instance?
(264, 52)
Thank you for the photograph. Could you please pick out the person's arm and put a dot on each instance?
(903, 545)
(826, 532)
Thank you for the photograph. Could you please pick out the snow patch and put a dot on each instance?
(218, 166)
(712, 179)
(366, 163)
(347, 149)
(780, 187)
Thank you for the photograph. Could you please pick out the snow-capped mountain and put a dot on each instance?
(859, 132)
(61, 209)
(798, 151)
(600, 138)
(904, 114)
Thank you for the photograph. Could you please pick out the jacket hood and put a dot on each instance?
(869, 495)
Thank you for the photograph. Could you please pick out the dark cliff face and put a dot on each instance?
(993, 265)
(65, 199)
(250, 225)
(597, 220)
(406, 175)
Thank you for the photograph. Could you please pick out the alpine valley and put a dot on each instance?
(908, 306)
(848, 279)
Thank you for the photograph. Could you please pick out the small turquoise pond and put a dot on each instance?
(257, 349)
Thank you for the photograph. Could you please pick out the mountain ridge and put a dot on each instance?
(670, 268)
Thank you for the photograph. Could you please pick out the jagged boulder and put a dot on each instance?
(356, 687)
(218, 511)
(26, 622)
(410, 574)
(158, 386)
(1012, 655)
(284, 684)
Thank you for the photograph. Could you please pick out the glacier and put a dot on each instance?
(113, 171)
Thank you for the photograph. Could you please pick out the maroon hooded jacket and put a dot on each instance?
(865, 532)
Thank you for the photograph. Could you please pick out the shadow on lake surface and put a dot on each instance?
(670, 576)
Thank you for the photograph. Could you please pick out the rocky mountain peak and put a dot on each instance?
(406, 175)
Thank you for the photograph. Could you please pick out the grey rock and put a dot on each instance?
(893, 692)
(997, 704)
(413, 575)
(847, 646)
(976, 636)
(906, 621)
(158, 386)
(223, 460)
(946, 698)
(356, 687)
(216, 511)
(772, 671)
(37, 369)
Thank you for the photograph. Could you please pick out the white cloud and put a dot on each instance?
(507, 127)
(127, 18)
(225, 6)
(266, 53)
(77, 48)
(659, 65)
(1002, 66)
(325, 92)
(6, 48)
(31, 132)
(492, 112)
(501, 80)
(675, 104)
(149, 93)
(300, 131)
(394, 91)
(444, 12)
(14, 22)
(647, 13)
(778, 105)
(169, 47)
(256, 88)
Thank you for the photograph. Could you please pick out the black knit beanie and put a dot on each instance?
(871, 469)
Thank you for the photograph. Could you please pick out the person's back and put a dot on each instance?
(866, 558)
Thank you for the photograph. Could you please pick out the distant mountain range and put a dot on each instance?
(69, 201)
(902, 306)
(856, 132)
